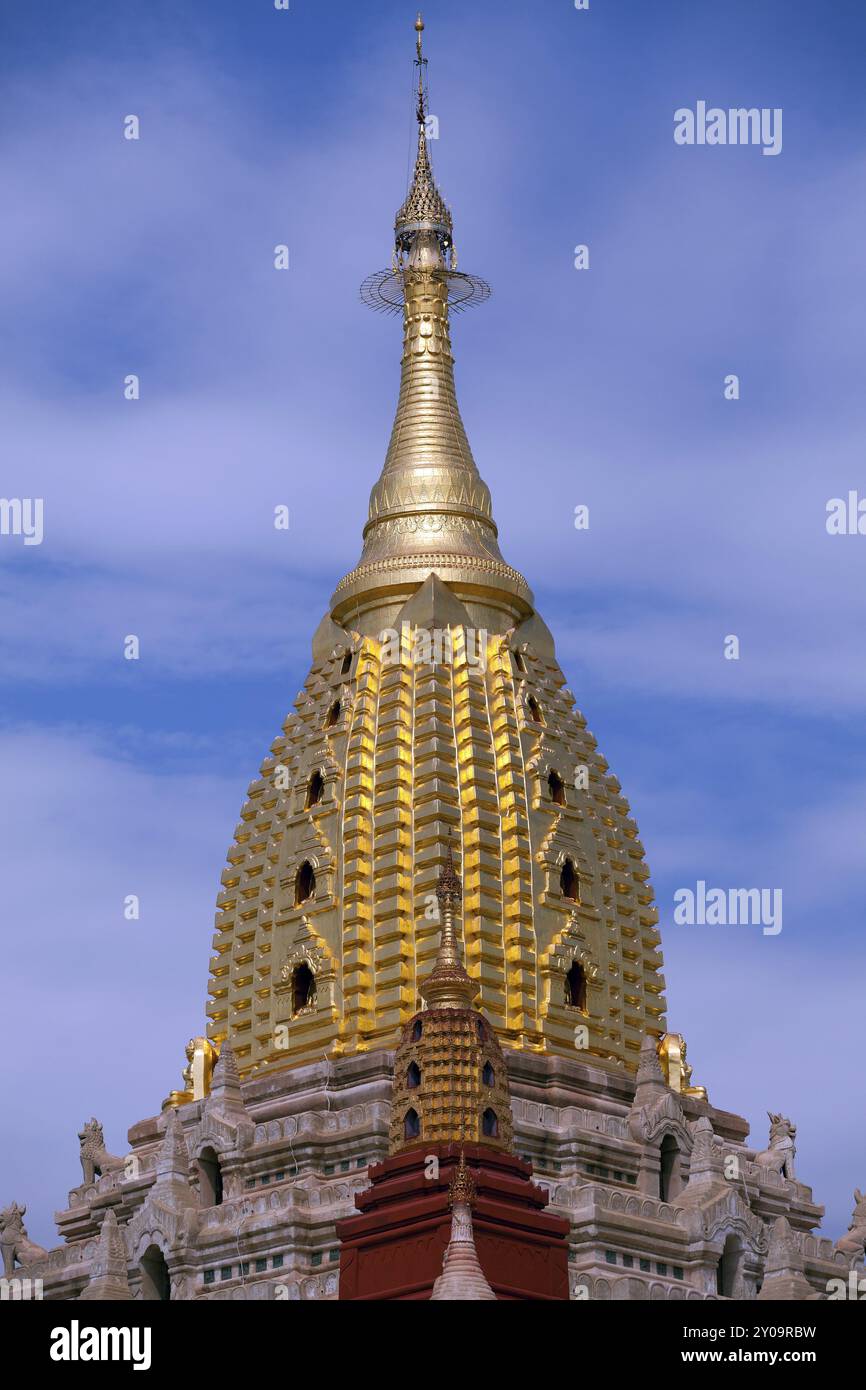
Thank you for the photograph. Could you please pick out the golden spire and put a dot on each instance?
(448, 986)
(430, 510)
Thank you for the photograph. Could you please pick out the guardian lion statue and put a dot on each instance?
(854, 1243)
(780, 1155)
(15, 1243)
(95, 1158)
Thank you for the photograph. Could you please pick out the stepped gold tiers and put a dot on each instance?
(434, 708)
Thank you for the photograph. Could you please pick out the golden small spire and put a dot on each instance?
(448, 889)
(448, 986)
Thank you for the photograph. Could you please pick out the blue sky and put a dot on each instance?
(604, 388)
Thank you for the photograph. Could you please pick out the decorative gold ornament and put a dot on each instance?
(201, 1056)
(462, 1187)
(677, 1072)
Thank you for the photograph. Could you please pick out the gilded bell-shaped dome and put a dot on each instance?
(434, 707)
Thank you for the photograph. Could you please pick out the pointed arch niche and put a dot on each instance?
(155, 1279)
(304, 996)
(572, 989)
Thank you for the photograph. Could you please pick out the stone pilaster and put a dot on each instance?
(784, 1277)
(225, 1092)
(172, 1167)
(108, 1275)
(706, 1180)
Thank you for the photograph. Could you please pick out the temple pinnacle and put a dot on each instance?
(448, 985)
(430, 511)
(448, 889)
(423, 226)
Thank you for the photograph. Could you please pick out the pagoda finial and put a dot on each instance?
(423, 226)
(448, 890)
(448, 985)
(462, 1188)
(421, 61)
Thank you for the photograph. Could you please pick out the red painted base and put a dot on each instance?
(394, 1249)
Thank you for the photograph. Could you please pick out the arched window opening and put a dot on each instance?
(519, 663)
(155, 1281)
(556, 788)
(670, 1174)
(481, 1029)
(575, 987)
(333, 715)
(728, 1268)
(417, 1030)
(411, 1125)
(347, 664)
(315, 789)
(490, 1124)
(568, 882)
(210, 1179)
(413, 1076)
(534, 710)
(305, 883)
(303, 988)
(488, 1075)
